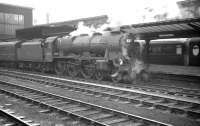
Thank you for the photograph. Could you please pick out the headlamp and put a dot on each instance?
(128, 40)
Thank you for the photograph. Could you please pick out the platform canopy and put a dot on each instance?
(179, 28)
(43, 31)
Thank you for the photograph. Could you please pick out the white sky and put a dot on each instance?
(123, 11)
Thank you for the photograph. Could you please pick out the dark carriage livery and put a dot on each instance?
(181, 51)
(194, 52)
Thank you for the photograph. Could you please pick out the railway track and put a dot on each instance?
(167, 88)
(170, 90)
(33, 114)
(175, 77)
(8, 118)
(160, 84)
(179, 106)
(89, 113)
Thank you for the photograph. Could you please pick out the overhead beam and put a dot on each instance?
(182, 28)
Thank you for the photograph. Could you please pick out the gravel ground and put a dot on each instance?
(128, 108)
(32, 112)
(178, 83)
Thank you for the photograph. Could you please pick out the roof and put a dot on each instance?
(82, 19)
(8, 43)
(181, 28)
(43, 31)
(11, 5)
(170, 41)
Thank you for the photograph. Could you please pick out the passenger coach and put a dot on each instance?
(182, 51)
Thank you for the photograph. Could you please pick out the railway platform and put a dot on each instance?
(176, 70)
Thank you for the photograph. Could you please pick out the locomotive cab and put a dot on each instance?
(49, 48)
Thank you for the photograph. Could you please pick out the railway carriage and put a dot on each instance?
(167, 51)
(194, 52)
(181, 51)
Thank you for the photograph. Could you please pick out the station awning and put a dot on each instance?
(43, 31)
(182, 28)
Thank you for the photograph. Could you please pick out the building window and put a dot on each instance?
(10, 22)
(2, 20)
(2, 28)
(21, 19)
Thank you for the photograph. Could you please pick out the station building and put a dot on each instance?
(14, 17)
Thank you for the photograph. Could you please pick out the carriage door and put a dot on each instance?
(194, 53)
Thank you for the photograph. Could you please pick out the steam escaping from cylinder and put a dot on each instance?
(138, 70)
(137, 66)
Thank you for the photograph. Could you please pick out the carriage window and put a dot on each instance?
(155, 49)
(49, 45)
(178, 50)
(195, 50)
(164, 49)
(169, 49)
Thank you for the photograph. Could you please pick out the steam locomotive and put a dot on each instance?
(97, 56)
